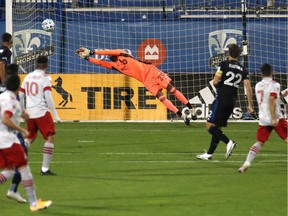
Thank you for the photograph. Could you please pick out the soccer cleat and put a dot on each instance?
(47, 173)
(244, 167)
(15, 196)
(193, 114)
(41, 205)
(229, 148)
(186, 115)
(204, 156)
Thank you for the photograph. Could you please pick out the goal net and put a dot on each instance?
(184, 38)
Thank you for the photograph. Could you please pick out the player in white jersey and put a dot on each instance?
(37, 89)
(12, 193)
(270, 116)
(12, 155)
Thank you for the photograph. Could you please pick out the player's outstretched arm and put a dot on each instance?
(116, 52)
(85, 53)
(108, 65)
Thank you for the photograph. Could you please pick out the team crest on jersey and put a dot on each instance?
(28, 45)
(219, 42)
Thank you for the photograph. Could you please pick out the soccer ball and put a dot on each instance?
(48, 25)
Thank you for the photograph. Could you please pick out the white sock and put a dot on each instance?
(230, 142)
(28, 184)
(5, 175)
(253, 152)
(44, 169)
(47, 155)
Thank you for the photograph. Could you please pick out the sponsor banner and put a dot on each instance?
(104, 97)
(118, 97)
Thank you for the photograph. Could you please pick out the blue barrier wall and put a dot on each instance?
(186, 42)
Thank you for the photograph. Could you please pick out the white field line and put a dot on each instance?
(156, 161)
(86, 141)
(196, 130)
(152, 153)
(153, 121)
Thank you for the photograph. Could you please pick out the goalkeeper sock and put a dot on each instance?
(213, 145)
(253, 152)
(168, 104)
(179, 96)
(215, 131)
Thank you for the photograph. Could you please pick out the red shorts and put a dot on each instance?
(13, 157)
(264, 132)
(44, 124)
(156, 80)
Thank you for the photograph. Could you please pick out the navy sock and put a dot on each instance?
(215, 131)
(15, 181)
(213, 145)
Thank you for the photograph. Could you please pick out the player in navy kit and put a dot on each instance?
(226, 80)
(5, 58)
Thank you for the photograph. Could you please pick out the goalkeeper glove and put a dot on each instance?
(84, 53)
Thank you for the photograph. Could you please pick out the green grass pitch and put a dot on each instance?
(150, 169)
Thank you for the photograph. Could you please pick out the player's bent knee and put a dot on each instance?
(214, 129)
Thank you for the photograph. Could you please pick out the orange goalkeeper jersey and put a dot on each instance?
(125, 64)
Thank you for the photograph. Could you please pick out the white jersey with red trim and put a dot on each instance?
(264, 89)
(34, 86)
(9, 105)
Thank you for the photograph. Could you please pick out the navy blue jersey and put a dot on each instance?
(5, 55)
(232, 75)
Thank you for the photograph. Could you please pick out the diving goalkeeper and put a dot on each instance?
(152, 78)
